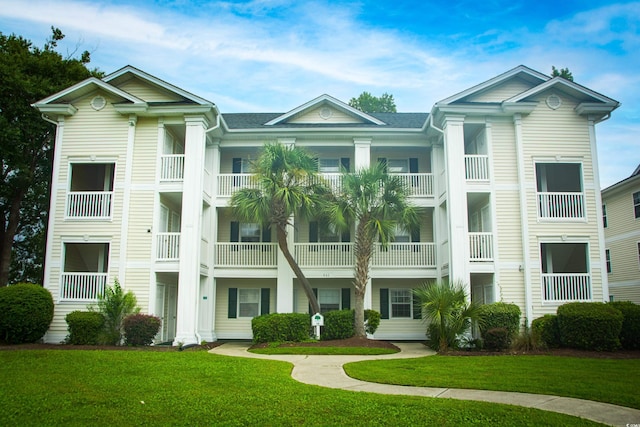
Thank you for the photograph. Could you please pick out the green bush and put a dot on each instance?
(497, 339)
(630, 333)
(372, 321)
(590, 326)
(280, 327)
(116, 304)
(545, 331)
(500, 315)
(338, 325)
(139, 329)
(85, 327)
(26, 311)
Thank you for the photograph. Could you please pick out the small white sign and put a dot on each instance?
(317, 320)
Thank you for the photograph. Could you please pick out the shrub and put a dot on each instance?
(497, 339)
(590, 326)
(280, 327)
(500, 315)
(115, 305)
(630, 333)
(338, 325)
(139, 329)
(85, 327)
(545, 331)
(26, 311)
(372, 321)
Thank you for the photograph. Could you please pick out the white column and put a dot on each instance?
(456, 200)
(126, 198)
(284, 293)
(190, 231)
(362, 153)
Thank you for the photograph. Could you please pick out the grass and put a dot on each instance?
(331, 351)
(604, 380)
(57, 387)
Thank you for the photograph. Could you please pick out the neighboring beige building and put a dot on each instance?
(621, 211)
(506, 172)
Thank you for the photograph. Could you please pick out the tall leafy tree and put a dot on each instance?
(562, 72)
(28, 74)
(372, 104)
(286, 185)
(375, 203)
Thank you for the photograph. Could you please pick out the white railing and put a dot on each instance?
(561, 205)
(405, 255)
(82, 286)
(418, 184)
(333, 180)
(228, 183)
(480, 246)
(172, 167)
(89, 204)
(558, 287)
(324, 254)
(476, 167)
(168, 246)
(262, 255)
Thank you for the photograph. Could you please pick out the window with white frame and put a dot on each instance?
(638, 253)
(607, 254)
(398, 165)
(560, 191)
(401, 302)
(84, 273)
(605, 223)
(328, 165)
(248, 302)
(401, 235)
(250, 232)
(329, 299)
(636, 204)
(565, 271)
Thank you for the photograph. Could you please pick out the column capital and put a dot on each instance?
(289, 142)
(362, 141)
(196, 120)
(453, 119)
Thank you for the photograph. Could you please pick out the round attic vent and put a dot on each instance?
(554, 102)
(98, 103)
(326, 113)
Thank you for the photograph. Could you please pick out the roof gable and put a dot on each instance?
(575, 90)
(324, 110)
(85, 87)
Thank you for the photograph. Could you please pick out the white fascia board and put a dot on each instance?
(518, 107)
(86, 83)
(621, 186)
(566, 85)
(58, 109)
(323, 131)
(322, 99)
(468, 109)
(596, 108)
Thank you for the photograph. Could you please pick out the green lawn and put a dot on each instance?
(58, 387)
(604, 380)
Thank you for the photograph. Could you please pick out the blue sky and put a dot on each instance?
(274, 55)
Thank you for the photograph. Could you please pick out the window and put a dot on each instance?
(328, 165)
(565, 272)
(604, 216)
(249, 232)
(559, 191)
(248, 302)
(90, 190)
(401, 302)
(85, 270)
(398, 165)
(638, 253)
(401, 235)
(329, 299)
(636, 204)
(607, 255)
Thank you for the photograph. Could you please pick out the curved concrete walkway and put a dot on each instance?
(326, 371)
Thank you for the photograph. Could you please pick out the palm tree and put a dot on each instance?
(286, 184)
(446, 307)
(376, 203)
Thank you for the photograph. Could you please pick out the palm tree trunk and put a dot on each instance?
(363, 251)
(306, 286)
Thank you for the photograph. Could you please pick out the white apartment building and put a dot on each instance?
(506, 172)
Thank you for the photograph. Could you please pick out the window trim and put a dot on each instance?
(337, 167)
(605, 221)
(392, 303)
(259, 302)
(324, 290)
(607, 257)
(636, 204)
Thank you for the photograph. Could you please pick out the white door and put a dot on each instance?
(172, 311)
(160, 293)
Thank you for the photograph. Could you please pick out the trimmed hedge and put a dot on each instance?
(281, 327)
(630, 333)
(545, 331)
(85, 327)
(499, 315)
(338, 325)
(139, 329)
(497, 339)
(590, 326)
(26, 311)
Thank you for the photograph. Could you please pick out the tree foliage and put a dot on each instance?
(28, 74)
(562, 72)
(115, 305)
(373, 104)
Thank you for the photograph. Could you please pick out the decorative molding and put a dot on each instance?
(553, 101)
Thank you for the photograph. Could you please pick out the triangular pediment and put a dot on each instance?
(325, 110)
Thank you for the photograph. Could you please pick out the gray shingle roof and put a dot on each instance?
(239, 121)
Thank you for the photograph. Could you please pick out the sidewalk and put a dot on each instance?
(326, 371)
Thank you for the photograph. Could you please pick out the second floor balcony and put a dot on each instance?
(89, 204)
(561, 206)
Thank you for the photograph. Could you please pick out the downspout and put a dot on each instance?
(47, 119)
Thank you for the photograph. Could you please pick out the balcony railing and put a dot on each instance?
(172, 167)
(324, 254)
(89, 204)
(558, 287)
(476, 167)
(418, 184)
(405, 255)
(82, 286)
(168, 246)
(481, 246)
(228, 183)
(248, 255)
(561, 205)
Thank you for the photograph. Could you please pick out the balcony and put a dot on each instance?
(82, 286)
(324, 255)
(403, 255)
(229, 183)
(418, 184)
(481, 246)
(561, 206)
(476, 167)
(168, 246)
(89, 204)
(566, 287)
(171, 167)
(247, 255)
